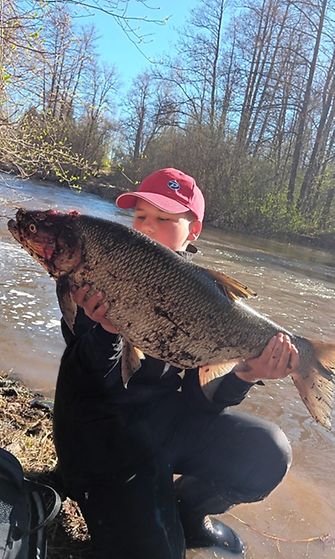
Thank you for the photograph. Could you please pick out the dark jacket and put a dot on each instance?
(98, 427)
(102, 429)
(94, 357)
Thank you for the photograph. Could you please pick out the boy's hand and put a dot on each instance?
(94, 306)
(277, 360)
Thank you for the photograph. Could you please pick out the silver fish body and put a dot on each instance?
(164, 305)
(169, 308)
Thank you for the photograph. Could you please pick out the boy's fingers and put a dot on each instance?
(294, 362)
(267, 351)
(88, 303)
(93, 303)
(98, 314)
(277, 360)
(79, 294)
(288, 357)
(275, 350)
(283, 362)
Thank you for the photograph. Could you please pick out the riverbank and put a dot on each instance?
(104, 186)
(26, 431)
(109, 187)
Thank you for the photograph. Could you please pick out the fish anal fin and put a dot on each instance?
(131, 361)
(66, 302)
(210, 376)
(232, 288)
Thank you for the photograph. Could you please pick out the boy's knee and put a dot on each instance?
(273, 462)
(283, 447)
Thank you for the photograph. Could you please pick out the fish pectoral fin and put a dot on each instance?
(232, 288)
(211, 375)
(66, 302)
(317, 385)
(130, 361)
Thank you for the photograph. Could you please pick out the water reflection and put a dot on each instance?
(30, 341)
(295, 295)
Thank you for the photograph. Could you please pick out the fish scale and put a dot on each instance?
(164, 305)
(153, 277)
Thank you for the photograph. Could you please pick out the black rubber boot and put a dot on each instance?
(196, 499)
(208, 532)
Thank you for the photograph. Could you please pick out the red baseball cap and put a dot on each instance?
(169, 190)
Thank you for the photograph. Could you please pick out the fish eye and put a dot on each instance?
(32, 228)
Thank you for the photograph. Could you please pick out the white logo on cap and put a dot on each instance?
(174, 185)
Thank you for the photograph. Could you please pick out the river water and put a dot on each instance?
(295, 287)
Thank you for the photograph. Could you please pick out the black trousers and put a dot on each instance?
(223, 459)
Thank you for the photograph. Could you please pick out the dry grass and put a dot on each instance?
(26, 431)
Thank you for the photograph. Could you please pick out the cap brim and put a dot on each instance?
(129, 199)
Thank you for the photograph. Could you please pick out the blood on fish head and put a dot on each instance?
(49, 237)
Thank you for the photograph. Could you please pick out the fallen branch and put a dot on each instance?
(323, 538)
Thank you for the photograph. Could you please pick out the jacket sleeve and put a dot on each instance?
(230, 392)
(90, 348)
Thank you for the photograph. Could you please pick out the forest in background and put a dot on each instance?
(244, 101)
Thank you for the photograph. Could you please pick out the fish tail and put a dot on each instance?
(316, 384)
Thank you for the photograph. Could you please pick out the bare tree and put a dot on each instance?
(149, 109)
(95, 122)
(323, 129)
(195, 72)
(44, 61)
(305, 104)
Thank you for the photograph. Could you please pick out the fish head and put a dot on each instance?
(50, 238)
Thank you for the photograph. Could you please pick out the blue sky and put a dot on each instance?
(114, 47)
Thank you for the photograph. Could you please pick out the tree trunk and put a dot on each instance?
(304, 110)
(325, 123)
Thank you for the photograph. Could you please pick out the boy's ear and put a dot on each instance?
(195, 230)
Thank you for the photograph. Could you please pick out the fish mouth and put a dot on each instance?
(14, 229)
(40, 250)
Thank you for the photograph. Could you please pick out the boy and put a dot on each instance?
(119, 448)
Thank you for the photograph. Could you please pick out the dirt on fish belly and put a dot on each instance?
(163, 305)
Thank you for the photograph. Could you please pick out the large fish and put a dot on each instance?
(163, 305)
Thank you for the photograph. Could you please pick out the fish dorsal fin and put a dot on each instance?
(131, 361)
(232, 288)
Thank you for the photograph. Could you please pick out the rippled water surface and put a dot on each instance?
(295, 287)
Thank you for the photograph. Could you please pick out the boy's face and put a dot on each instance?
(172, 230)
